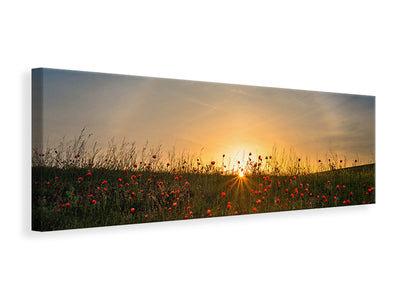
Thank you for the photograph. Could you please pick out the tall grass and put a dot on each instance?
(77, 186)
(80, 153)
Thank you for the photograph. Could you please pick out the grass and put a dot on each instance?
(81, 195)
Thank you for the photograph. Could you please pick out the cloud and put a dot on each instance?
(210, 115)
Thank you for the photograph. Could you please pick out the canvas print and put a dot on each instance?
(113, 149)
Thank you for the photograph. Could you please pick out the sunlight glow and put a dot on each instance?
(241, 174)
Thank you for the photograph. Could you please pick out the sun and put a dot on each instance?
(241, 174)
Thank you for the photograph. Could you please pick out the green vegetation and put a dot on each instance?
(77, 197)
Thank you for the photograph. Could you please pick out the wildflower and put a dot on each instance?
(132, 209)
(213, 162)
(255, 209)
(80, 178)
(154, 156)
(94, 201)
(223, 194)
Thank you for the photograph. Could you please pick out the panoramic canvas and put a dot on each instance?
(114, 149)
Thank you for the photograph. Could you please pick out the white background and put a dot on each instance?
(337, 46)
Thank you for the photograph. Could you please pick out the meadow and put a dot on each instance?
(75, 188)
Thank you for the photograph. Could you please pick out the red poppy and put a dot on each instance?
(132, 210)
(213, 162)
(154, 156)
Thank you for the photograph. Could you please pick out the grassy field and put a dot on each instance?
(80, 197)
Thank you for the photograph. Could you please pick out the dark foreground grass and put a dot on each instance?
(82, 197)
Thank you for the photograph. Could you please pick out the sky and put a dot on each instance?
(213, 118)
